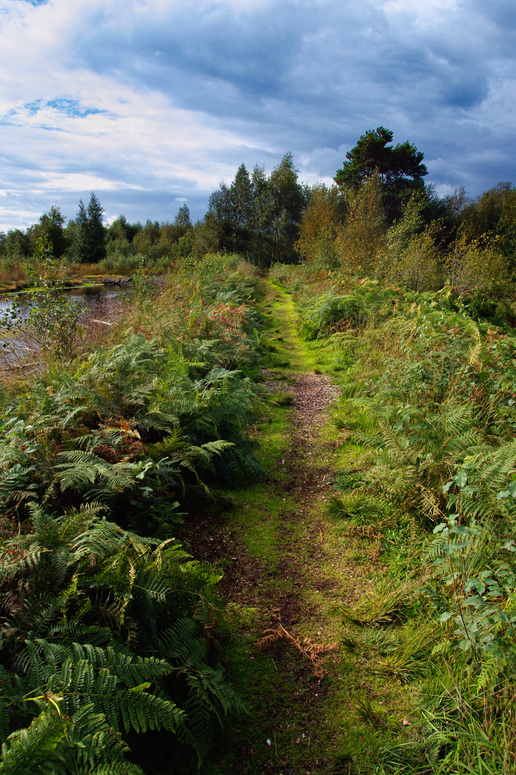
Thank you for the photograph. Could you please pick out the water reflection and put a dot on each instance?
(101, 304)
(90, 296)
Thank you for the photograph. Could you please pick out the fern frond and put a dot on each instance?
(33, 749)
(83, 469)
(140, 711)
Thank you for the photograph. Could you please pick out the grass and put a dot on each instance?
(296, 570)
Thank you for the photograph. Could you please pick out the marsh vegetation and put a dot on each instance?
(262, 519)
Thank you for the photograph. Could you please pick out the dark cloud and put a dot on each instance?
(263, 78)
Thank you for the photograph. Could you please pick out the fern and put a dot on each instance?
(490, 473)
(54, 744)
(116, 590)
(82, 470)
(209, 696)
(416, 454)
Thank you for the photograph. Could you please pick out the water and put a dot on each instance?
(92, 296)
(99, 303)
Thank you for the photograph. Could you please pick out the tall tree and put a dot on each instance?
(51, 225)
(17, 244)
(259, 217)
(400, 168)
(320, 225)
(363, 234)
(88, 232)
(289, 199)
(96, 233)
(182, 221)
(233, 208)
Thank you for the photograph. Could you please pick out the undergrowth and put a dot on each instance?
(110, 628)
(427, 423)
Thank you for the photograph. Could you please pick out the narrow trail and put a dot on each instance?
(285, 575)
(300, 476)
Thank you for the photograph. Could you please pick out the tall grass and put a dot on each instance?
(429, 410)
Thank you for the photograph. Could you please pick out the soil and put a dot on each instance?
(293, 622)
(305, 484)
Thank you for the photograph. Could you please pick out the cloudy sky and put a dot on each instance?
(152, 104)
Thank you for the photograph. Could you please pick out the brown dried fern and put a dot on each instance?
(314, 652)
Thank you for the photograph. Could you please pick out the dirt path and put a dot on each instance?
(281, 573)
(285, 576)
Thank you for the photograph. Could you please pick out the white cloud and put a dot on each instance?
(425, 11)
(151, 103)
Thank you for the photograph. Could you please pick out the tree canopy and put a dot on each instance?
(259, 216)
(400, 168)
(89, 237)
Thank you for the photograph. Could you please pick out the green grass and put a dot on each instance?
(298, 721)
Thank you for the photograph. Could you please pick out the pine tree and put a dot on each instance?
(95, 243)
(89, 239)
(52, 224)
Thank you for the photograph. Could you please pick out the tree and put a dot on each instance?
(145, 241)
(400, 168)
(259, 217)
(96, 232)
(289, 200)
(182, 220)
(51, 225)
(362, 237)
(89, 233)
(234, 210)
(320, 225)
(494, 214)
(17, 244)
(410, 256)
(119, 237)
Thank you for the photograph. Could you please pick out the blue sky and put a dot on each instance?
(152, 104)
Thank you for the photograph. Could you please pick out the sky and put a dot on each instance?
(153, 104)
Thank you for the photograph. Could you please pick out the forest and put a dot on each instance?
(259, 514)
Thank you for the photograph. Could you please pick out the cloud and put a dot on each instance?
(150, 104)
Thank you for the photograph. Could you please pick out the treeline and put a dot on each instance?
(471, 246)
(379, 218)
(257, 216)
(85, 239)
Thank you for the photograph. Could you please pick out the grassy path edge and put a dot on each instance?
(289, 570)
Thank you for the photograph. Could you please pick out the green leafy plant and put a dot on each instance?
(141, 662)
(49, 320)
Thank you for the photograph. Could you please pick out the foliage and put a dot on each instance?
(363, 234)
(89, 233)
(130, 430)
(480, 573)
(331, 313)
(49, 321)
(259, 217)
(428, 429)
(409, 256)
(109, 628)
(399, 168)
(51, 226)
(477, 265)
(320, 226)
(141, 662)
(493, 213)
(418, 267)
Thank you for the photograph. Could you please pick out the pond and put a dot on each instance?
(90, 296)
(101, 305)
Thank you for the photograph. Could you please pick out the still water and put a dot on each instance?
(92, 296)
